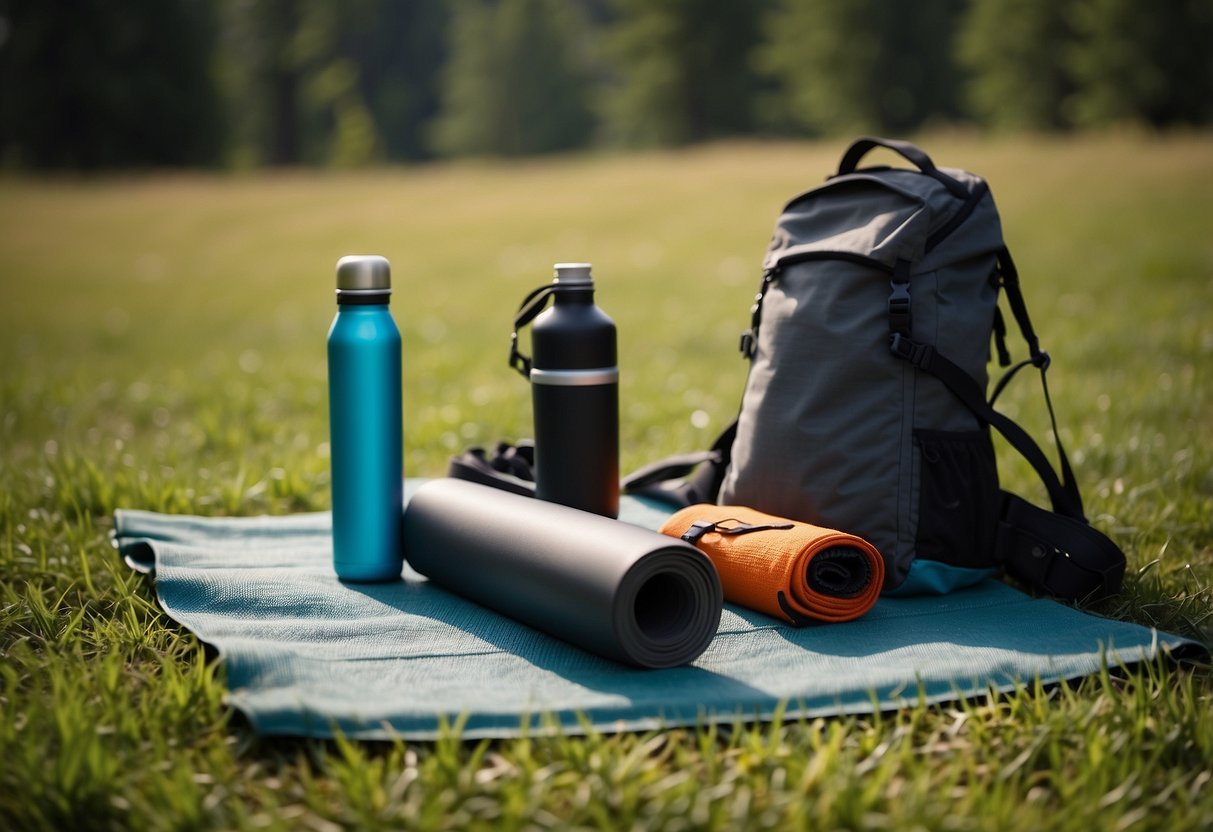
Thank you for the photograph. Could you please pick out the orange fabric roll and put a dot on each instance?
(791, 570)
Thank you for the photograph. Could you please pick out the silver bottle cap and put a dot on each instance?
(364, 273)
(573, 273)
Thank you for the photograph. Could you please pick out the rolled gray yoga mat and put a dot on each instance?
(614, 589)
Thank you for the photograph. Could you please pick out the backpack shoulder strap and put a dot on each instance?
(509, 467)
(685, 479)
(681, 480)
(1056, 551)
(1063, 496)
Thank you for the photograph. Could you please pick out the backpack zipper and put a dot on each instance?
(749, 338)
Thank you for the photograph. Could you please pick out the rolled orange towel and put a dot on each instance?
(791, 570)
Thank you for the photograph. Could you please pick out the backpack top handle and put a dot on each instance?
(911, 153)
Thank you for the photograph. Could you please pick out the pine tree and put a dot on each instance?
(683, 69)
(1147, 62)
(90, 84)
(516, 81)
(1016, 54)
(851, 66)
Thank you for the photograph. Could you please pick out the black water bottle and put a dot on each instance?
(575, 397)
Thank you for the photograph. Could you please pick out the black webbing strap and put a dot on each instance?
(860, 147)
(900, 321)
(1061, 555)
(530, 307)
(671, 467)
(680, 480)
(685, 479)
(509, 467)
(1063, 496)
(1056, 551)
(1000, 339)
(1009, 278)
(528, 310)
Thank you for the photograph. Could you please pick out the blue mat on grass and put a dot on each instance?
(305, 654)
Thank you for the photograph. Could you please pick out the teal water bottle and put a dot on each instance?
(365, 431)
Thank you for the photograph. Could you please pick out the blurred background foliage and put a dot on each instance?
(92, 84)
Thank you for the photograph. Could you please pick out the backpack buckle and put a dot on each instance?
(749, 338)
(899, 298)
(899, 309)
(1073, 575)
(747, 343)
(917, 354)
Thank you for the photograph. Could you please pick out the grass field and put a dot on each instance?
(162, 347)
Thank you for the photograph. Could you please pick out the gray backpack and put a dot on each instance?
(865, 408)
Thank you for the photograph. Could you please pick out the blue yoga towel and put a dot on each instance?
(308, 655)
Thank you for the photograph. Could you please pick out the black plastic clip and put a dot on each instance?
(919, 355)
(518, 361)
(698, 529)
(749, 338)
(701, 527)
(747, 343)
(899, 298)
(899, 307)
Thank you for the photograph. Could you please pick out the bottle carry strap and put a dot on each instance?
(534, 303)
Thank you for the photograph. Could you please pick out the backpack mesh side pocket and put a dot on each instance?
(958, 497)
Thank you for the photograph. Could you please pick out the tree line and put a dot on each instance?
(88, 84)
